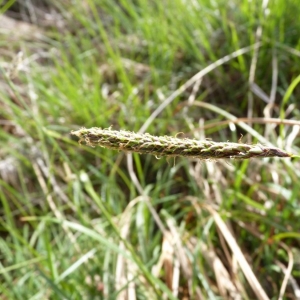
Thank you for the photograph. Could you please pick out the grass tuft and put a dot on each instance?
(91, 223)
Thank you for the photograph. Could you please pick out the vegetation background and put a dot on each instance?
(89, 223)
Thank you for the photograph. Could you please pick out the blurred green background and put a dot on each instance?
(89, 223)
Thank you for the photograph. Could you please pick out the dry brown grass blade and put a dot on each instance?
(245, 267)
(183, 259)
(169, 263)
(225, 284)
(287, 271)
(168, 252)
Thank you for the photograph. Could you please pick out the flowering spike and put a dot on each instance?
(172, 146)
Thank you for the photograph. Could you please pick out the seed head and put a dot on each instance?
(172, 146)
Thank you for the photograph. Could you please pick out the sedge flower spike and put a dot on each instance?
(172, 146)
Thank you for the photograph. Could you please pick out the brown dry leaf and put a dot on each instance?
(236, 250)
(183, 259)
(168, 252)
(226, 286)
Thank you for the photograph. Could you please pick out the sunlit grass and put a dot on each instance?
(89, 223)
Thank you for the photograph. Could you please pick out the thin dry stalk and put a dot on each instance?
(244, 265)
(287, 271)
(171, 146)
(275, 121)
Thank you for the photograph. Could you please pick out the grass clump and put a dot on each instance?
(90, 223)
